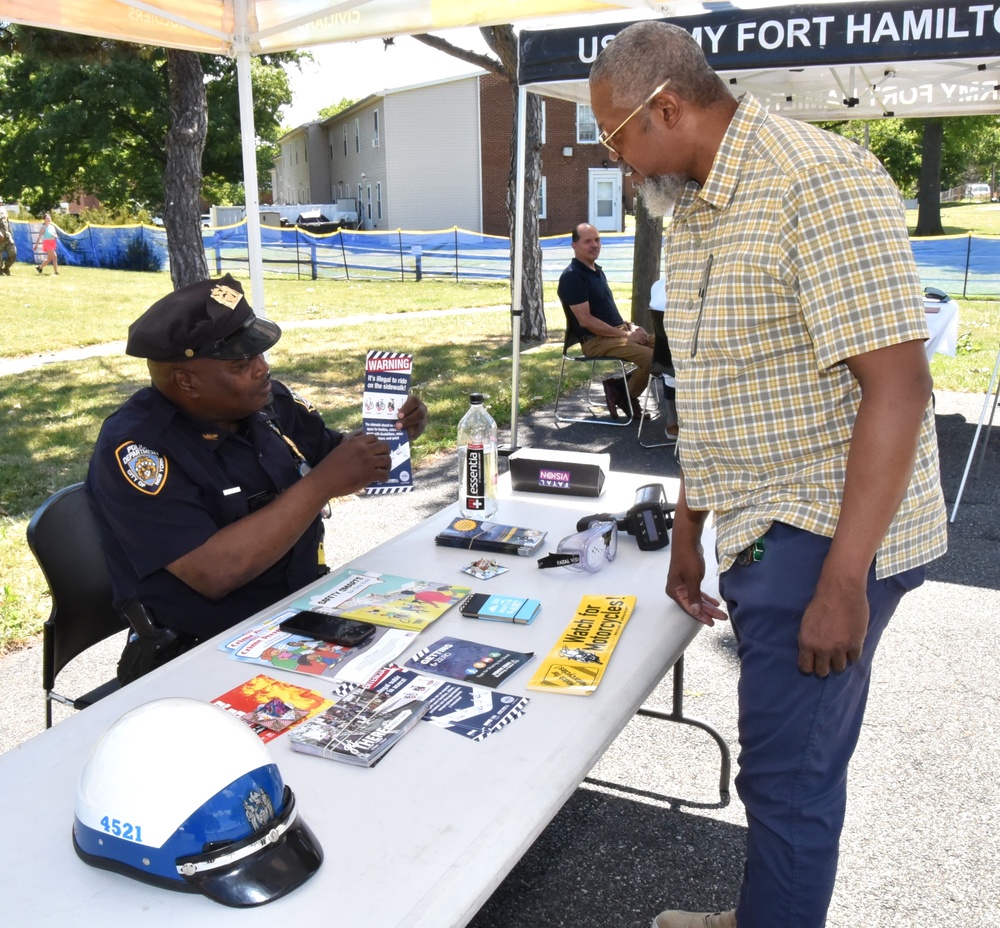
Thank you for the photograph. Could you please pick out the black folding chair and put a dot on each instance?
(63, 535)
(569, 341)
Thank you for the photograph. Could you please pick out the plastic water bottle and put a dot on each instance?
(477, 461)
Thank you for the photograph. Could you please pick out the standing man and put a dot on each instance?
(795, 317)
(594, 319)
(8, 250)
(209, 484)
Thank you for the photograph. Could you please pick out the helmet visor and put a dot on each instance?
(265, 866)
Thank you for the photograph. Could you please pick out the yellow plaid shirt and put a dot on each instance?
(793, 257)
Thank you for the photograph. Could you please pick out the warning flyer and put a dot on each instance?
(387, 384)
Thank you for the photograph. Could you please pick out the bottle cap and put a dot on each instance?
(475, 398)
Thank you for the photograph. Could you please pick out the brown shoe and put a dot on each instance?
(676, 919)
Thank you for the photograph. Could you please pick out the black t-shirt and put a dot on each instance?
(579, 284)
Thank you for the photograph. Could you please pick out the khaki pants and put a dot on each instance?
(598, 346)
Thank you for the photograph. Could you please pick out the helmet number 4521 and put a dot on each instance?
(122, 829)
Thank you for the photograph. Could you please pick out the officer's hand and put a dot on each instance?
(356, 462)
(412, 417)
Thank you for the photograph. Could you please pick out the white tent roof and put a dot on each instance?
(819, 60)
(260, 26)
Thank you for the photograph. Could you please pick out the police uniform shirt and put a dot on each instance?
(580, 284)
(162, 483)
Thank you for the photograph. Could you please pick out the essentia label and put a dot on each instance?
(547, 477)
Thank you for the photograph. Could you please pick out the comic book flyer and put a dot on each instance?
(267, 645)
(387, 384)
(576, 663)
(382, 599)
(270, 707)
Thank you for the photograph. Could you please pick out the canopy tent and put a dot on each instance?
(814, 61)
(241, 28)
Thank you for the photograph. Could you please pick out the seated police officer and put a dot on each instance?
(209, 485)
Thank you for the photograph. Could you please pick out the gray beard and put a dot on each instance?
(659, 193)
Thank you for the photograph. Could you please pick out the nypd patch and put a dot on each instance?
(302, 401)
(144, 469)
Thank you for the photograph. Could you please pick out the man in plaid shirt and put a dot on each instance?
(795, 318)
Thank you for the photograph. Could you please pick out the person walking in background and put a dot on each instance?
(49, 241)
(795, 317)
(8, 251)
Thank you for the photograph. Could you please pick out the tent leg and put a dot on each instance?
(518, 267)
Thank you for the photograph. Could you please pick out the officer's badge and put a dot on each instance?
(144, 469)
(302, 401)
(227, 296)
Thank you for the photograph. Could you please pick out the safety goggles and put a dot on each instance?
(588, 550)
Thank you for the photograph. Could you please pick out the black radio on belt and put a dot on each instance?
(648, 519)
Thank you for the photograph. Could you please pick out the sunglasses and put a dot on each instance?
(587, 551)
(605, 137)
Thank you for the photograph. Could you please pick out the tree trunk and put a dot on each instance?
(182, 175)
(645, 261)
(929, 190)
(533, 327)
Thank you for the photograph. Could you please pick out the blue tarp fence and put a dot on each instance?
(961, 265)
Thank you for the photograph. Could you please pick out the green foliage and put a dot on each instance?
(969, 149)
(335, 108)
(88, 115)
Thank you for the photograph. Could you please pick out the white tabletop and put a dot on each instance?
(421, 840)
(942, 323)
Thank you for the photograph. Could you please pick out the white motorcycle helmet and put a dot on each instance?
(181, 794)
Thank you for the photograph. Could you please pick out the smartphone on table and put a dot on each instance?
(348, 633)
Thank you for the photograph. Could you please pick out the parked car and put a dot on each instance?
(206, 220)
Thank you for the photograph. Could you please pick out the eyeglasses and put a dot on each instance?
(605, 137)
(588, 550)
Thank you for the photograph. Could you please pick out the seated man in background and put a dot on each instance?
(209, 485)
(594, 318)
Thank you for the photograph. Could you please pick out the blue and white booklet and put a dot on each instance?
(470, 711)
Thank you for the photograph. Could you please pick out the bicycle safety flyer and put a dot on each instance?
(387, 385)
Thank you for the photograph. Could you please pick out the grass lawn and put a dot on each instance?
(51, 416)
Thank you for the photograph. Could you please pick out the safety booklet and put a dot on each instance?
(578, 659)
(387, 385)
(359, 728)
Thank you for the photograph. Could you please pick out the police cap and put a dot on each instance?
(209, 319)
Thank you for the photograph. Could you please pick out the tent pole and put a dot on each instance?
(248, 140)
(518, 269)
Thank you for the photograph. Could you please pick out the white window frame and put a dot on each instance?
(543, 200)
(585, 121)
(378, 199)
(345, 139)
(375, 136)
(357, 136)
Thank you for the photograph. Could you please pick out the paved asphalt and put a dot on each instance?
(647, 831)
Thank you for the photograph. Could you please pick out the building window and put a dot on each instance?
(369, 201)
(586, 125)
(543, 122)
(375, 136)
(347, 191)
(357, 135)
(542, 200)
(345, 141)
(331, 151)
(378, 199)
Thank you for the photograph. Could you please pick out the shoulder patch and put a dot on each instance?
(302, 401)
(144, 469)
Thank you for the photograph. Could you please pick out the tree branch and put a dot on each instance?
(463, 54)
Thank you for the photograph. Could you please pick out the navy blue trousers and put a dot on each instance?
(797, 732)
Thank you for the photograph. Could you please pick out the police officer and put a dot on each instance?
(209, 484)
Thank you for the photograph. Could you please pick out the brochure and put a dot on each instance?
(359, 728)
(468, 660)
(387, 384)
(490, 536)
(383, 599)
(271, 706)
(470, 711)
(577, 662)
(267, 645)
(515, 609)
